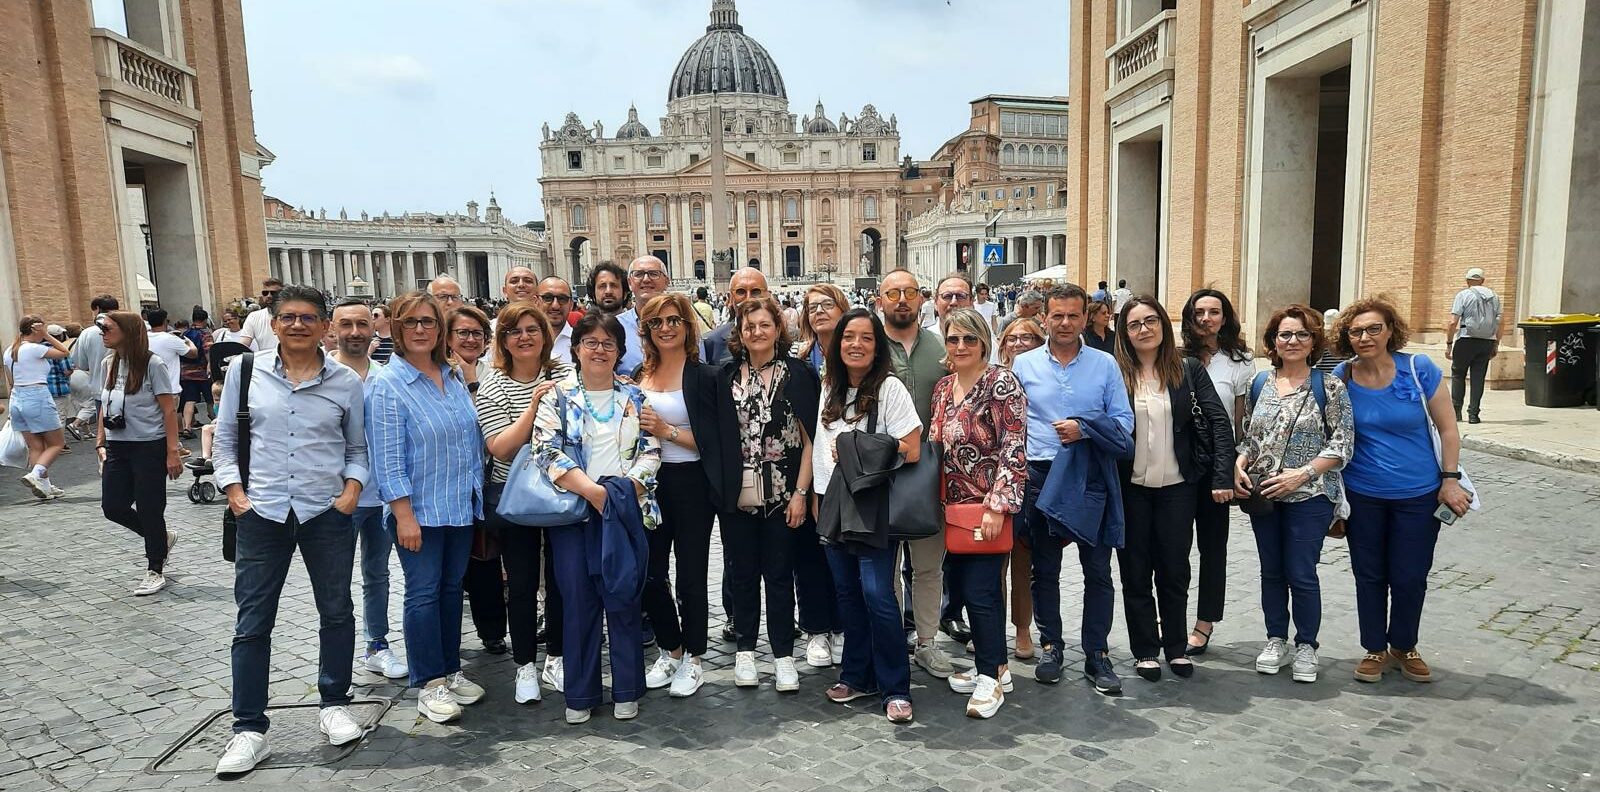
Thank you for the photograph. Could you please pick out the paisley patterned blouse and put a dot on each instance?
(985, 440)
(1287, 432)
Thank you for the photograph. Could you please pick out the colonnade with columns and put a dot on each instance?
(390, 272)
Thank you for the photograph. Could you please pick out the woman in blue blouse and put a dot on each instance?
(1395, 482)
(427, 457)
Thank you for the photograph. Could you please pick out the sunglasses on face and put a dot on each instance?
(898, 295)
(551, 299)
(658, 322)
(961, 340)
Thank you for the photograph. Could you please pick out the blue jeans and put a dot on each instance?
(979, 585)
(874, 636)
(1391, 552)
(327, 546)
(1289, 541)
(376, 542)
(1099, 593)
(432, 613)
(582, 613)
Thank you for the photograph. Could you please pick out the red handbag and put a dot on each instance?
(963, 535)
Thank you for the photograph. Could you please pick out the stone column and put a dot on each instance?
(772, 262)
(809, 213)
(601, 212)
(641, 227)
(845, 247)
(684, 266)
(742, 234)
(892, 229)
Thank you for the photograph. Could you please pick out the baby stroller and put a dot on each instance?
(204, 489)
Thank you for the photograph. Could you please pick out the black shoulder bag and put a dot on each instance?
(230, 524)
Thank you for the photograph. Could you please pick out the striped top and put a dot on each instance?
(425, 444)
(502, 400)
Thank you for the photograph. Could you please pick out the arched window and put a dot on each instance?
(1038, 155)
(1008, 155)
(752, 214)
(791, 208)
(622, 215)
(827, 209)
(1052, 155)
(697, 215)
(658, 213)
(700, 269)
(580, 216)
(869, 208)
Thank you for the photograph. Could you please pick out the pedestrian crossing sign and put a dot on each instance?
(993, 255)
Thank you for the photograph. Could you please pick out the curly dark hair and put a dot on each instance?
(1399, 331)
(750, 306)
(1309, 318)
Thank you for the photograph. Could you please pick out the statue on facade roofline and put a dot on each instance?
(546, 130)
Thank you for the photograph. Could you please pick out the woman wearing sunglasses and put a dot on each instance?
(682, 407)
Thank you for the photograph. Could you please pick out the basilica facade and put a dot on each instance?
(805, 198)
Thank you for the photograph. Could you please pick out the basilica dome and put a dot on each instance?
(726, 60)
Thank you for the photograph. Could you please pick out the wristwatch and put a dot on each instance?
(802, 490)
(673, 437)
(1450, 474)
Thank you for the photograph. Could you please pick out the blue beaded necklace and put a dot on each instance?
(588, 406)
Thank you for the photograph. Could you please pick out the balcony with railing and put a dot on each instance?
(1148, 50)
(134, 71)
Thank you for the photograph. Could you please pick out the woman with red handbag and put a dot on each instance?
(980, 416)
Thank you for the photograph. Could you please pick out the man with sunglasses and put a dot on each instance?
(746, 284)
(257, 332)
(647, 277)
(556, 296)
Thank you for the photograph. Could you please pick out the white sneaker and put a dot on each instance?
(554, 677)
(1274, 655)
(838, 648)
(386, 662)
(436, 704)
(40, 490)
(244, 752)
(528, 683)
(1305, 663)
(57, 492)
(819, 650)
(576, 716)
(986, 698)
(967, 681)
(786, 677)
(338, 725)
(462, 689)
(689, 678)
(661, 672)
(152, 582)
(744, 670)
(625, 710)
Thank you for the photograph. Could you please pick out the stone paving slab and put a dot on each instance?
(95, 683)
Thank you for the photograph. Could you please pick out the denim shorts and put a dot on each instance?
(33, 410)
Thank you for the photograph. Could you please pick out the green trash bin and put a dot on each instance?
(1559, 369)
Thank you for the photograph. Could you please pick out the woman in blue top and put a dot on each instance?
(427, 457)
(1394, 482)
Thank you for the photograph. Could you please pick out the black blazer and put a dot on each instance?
(1186, 426)
(803, 390)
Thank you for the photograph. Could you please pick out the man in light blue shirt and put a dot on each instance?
(1065, 379)
(647, 277)
(306, 467)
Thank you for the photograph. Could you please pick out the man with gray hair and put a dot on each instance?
(647, 277)
(1029, 304)
(1471, 341)
(447, 291)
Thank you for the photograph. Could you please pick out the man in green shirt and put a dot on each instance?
(917, 353)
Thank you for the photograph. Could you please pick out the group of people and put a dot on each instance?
(505, 456)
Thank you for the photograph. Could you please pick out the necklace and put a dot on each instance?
(611, 410)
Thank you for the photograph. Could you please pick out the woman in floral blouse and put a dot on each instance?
(601, 440)
(767, 475)
(980, 415)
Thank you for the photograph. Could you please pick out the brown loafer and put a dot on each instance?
(1412, 665)
(1371, 667)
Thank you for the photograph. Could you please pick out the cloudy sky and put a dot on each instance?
(420, 105)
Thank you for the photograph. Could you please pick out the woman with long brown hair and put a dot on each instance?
(682, 414)
(137, 440)
(1182, 441)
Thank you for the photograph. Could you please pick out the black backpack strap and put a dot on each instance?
(247, 367)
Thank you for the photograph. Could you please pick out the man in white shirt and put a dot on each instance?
(985, 306)
(257, 332)
(167, 345)
(556, 294)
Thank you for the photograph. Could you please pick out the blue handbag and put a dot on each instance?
(530, 498)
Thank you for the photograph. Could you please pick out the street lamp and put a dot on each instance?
(827, 269)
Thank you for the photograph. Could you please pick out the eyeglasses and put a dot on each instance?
(472, 335)
(898, 295)
(961, 340)
(270, 293)
(1373, 330)
(951, 297)
(674, 322)
(290, 319)
(551, 299)
(1141, 325)
(424, 322)
(1302, 336)
(648, 275)
(821, 306)
(1024, 338)
(518, 332)
(595, 345)
(449, 298)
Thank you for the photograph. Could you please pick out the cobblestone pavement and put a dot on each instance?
(95, 684)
